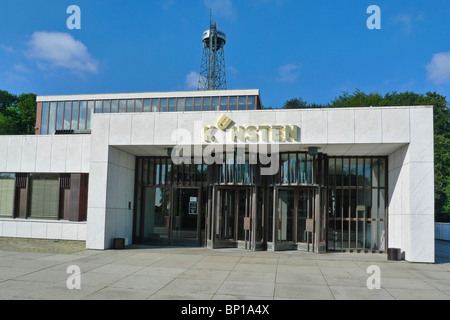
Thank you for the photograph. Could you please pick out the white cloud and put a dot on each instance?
(192, 80)
(61, 50)
(7, 48)
(222, 8)
(438, 70)
(288, 73)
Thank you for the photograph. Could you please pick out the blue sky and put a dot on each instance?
(313, 49)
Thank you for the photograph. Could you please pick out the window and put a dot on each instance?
(242, 103)
(155, 105)
(82, 122)
(43, 195)
(215, 104)
(130, 105)
(180, 104)
(52, 118)
(59, 116)
(251, 103)
(67, 113)
(98, 106)
(147, 107)
(172, 105)
(114, 106)
(106, 106)
(44, 120)
(233, 103)
(163, 106)
(224, 103)
(198, 104)
(7, 188)
(138, 105)
(90, 111)
(75, 107)
(122, 106)
(189, 106)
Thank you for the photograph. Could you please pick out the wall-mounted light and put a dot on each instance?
(313, 151)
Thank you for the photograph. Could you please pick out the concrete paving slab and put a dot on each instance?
(302, 291)
(359, 293)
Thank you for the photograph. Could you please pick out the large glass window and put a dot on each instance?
(357, 205)
(215, 104)
(172, 105)
(198, 104)
(43, 195)
(59, 116)
(122, 106)
(251, 103)
(7, 188)
(147, 106)
(233, 103)
(98, 106)
(82, 121)
(75, 109)
(44, 120)
(224, 103)
(189, 106)
(180, 104)
(114, 106)
(130, 105)
(89, 113)
(155, 105)
(138, 105)
(52, 118)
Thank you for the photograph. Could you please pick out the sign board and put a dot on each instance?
(193, 207)
(309, 225)
(247, 223)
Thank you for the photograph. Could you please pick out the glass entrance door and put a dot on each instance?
(185, 222)
(294, 218)
(232, 217)
(171, 216)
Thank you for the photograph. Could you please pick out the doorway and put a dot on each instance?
(294, 218)
(171, 216)
(232, 218)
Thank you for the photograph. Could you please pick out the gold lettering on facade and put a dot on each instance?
(224, 122)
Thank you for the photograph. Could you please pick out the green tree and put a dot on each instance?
(17, 113)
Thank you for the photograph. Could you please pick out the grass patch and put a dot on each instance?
(41, 245)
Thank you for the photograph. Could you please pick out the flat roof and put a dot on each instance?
(147, 95)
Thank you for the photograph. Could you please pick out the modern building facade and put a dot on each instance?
(211, 168)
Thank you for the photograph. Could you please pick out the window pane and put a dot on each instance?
(251, 103)
(189, 104)
(106, 106)
(114, 106)
(147, 107)
(82, 122)
(224, 103)
(138, 105)
(89, 113)
(44, 120)
(163, 106)
(172, 105)
(7, 188)
(242, 103)
(180, 104)
(130, 105)
(155, 105)
(75, 107)
(67, 112)
(52, 118)
(206, 104)
(98, 107)
(233, 103)
(215, 104)
(198, 104)
(122, 106)
(59, 115)
(44, 195)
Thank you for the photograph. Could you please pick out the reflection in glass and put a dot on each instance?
(59, 116)
(198, 104)
(98, 107)
(180, 104)
(189, 106)
(122, 106)
(233, 103)
(130, 105)
(224, 103)
(52, 118)
(138, 105)
(89, 113)
(75, 109)
(163, 106)
(155, 105)
(44, 120)
(106, 106)
(114, 106)
(215, 104)
(243, 103)
(172, 104)
(251, 103)
(82, 122)
(67, 112)
(7, 190)
(147, 106)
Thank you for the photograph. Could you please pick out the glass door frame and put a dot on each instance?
(312, 224)
(248, 224)
(173, 240)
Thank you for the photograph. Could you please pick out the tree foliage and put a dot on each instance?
(17, 113)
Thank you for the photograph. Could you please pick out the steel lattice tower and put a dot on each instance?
(212, 69)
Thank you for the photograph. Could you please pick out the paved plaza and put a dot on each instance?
(155, 273)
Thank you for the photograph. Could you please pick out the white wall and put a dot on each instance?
(411, 189)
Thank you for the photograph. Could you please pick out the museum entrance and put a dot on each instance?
(232, 218)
